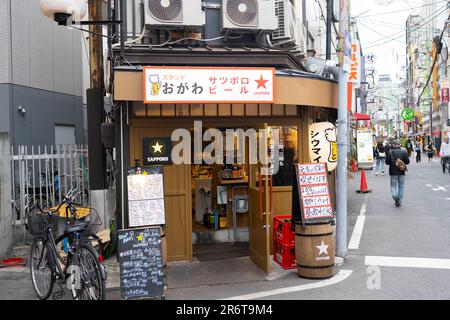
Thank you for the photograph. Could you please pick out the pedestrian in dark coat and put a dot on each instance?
(397, 175)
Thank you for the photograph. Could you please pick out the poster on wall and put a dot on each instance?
(312, 191)
(208, 85)
(146, 197)
(323, 144)
(364, 145)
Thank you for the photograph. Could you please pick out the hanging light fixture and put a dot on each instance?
(62, 10)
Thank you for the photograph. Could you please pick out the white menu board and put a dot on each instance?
(313, 191)
(146, 198)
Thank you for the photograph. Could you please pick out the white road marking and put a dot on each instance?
(362, 212)
(405, 262)
(357, 233)
(358, 229)
(341, 276)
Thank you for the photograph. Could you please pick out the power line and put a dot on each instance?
(402, 10)
(435, 15)
(430, 18)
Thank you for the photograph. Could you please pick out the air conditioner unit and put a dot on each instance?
(249, 15)
(174, 13)
(291, 32)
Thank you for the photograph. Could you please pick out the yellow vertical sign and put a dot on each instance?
(435, 79)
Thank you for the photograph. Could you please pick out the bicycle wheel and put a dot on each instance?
(42, 275)
(92, 285)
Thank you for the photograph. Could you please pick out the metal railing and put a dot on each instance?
(45, 174)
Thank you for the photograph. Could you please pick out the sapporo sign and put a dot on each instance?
(157, 151)
(313, 191)
(323, 144)
(208, 85)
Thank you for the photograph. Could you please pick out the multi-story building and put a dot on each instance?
(40, 77)
(423, 32)
(216, 35)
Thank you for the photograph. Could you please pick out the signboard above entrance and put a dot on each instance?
(208, 85)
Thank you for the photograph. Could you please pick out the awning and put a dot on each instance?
(361, 116)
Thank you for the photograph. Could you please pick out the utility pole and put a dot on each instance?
(341, 198)
(97, 159)
(329, 25)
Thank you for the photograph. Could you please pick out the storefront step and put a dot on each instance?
(213, 236)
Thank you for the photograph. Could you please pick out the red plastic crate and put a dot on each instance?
(282, 230)
(284, 255)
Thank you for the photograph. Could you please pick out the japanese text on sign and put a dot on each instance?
(203, 85)
(313, 191)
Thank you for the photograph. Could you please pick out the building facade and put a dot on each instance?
(40, 77)
(268, 38)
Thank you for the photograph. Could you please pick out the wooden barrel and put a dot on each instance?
(315, 251)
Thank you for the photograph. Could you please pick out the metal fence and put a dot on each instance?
(43, 175)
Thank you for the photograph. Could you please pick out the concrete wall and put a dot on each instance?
(6, 230)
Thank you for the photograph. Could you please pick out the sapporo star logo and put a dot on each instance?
(323, 248)
(140, 237)
(261, 83)
(158, 148)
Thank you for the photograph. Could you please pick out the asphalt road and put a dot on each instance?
(419, 229)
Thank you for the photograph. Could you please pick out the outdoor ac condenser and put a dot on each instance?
(174, 13)
(249, 15)
(291, 32)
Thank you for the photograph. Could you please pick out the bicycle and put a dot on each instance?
(81, 269)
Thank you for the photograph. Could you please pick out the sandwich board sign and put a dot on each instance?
(312, 192)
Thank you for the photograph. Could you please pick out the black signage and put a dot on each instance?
(157, 151)
(141, 263)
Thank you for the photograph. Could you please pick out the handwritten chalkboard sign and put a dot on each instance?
(146, 197)
(313, 192)
(141, 263)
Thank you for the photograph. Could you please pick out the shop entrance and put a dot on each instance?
(217, 212)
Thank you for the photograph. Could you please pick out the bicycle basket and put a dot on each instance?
(38, 223)
(91, 217)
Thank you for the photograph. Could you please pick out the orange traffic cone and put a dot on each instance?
(354, 168)
(363, 188)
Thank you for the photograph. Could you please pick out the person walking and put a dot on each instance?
(397, 159)
(445, 153)
(418, 151)
(380, 157)
(409, 147)
(430, 151)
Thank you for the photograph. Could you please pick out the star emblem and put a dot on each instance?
(140, 237)
(261, 83)
(157, 148)
(323, 248)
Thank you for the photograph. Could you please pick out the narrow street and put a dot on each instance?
(419, 229)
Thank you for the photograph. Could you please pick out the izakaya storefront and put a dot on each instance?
(215, 202)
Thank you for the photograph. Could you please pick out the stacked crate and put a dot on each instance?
(284, 242)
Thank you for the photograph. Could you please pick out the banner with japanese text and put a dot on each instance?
(208, 85)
